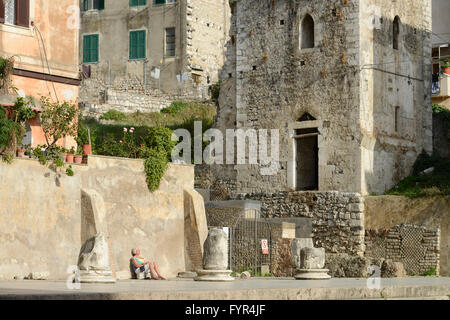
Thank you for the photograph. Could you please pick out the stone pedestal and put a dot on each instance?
(312, 274)
(215, 258)
(308, 261)
(93, 261)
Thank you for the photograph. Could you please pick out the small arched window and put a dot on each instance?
(396, 32)
(307, 32)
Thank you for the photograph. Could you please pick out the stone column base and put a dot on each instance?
(214, 275)
(312, 274)
(93, 276)
(187, 275)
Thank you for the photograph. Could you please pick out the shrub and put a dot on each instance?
(215, 91)
(114, 115)
(160, 138)
(154, 167)
(83, 133)
(57, 120)
(69, 171)
(436, 183)
(12, 125)
(175, 107)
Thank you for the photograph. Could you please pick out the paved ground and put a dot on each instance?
(251, 289)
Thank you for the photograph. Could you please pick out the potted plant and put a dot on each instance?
(78, 156)
(70, 155)
(64, 152)
(84, 137)
(29, 151)
(446, 66)
(21, 151)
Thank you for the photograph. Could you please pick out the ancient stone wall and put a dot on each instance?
(346, 87)
(426, 215)
(395, 97)
(337, 217)
(148, 84)
(441, 135)
(43, 222)
(416, 247)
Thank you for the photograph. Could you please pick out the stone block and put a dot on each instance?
(39, 275)
(391, 269)
(312, 258)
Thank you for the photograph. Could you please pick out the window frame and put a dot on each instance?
(137, 57)
(302, 32)
(174, 42)
(137, 3)
(88, 5)
(164, 2)
(87, 36)
(21, 14)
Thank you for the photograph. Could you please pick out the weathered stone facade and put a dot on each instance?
(337, 217)
(117, 82)
(367, 104)
(416, 247)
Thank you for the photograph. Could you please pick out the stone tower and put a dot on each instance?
(346, 82)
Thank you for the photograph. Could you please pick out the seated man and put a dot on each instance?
(140, 264)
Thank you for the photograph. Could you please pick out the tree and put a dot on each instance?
(58, 120)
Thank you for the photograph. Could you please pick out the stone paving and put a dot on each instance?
(251, 289)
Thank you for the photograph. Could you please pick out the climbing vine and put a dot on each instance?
(6, 70)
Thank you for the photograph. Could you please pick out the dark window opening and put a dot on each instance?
(307, 32)
(93, 5)
(397, 119)
(15, 12)
(307, 159)
(396, 32)
(306, 117)
(170, 42)
(281, 22)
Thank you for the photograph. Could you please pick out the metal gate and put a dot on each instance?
(245, 244)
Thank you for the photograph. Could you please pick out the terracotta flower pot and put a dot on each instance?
(21, 153)
(446, 70)
(69, 158)
(78, 159)
(87, 149)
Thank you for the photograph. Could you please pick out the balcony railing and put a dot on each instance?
(441, 85)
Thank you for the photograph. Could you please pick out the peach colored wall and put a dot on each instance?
(55, 21)
(36, 88)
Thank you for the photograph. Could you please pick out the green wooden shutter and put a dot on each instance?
(85, 5)
(94, 48)
(90, 48)
(137, 44)
(101, 4)
(141, 44)
(85, 49)
(160, 1)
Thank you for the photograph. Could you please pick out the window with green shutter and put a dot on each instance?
(93, 5)
(90, 48)
(164, 1)
(137, 45)
(136, 3)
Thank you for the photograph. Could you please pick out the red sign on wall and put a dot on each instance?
(264, 246)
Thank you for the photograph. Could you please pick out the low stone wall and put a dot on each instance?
(41, 216)
(385, 214)
(414, 246)
(337, 217)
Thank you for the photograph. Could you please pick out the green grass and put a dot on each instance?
(178, 115)
(182, 115)
(436, 183)
(430, 273)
